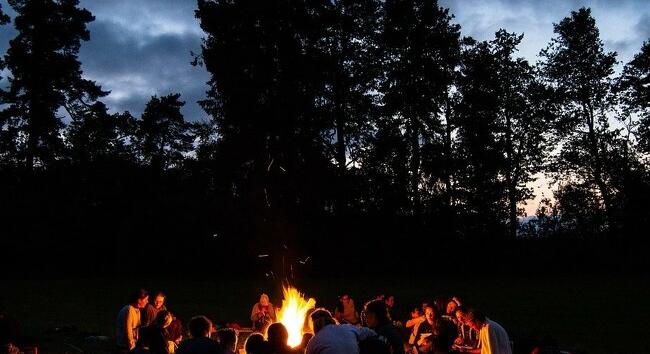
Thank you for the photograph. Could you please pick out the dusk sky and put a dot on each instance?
(140, 48)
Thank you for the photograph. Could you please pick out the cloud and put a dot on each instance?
(643, 27)
(134, 67)
(621, 22)
(148, 17)
(139, 48)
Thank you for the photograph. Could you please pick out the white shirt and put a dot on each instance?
(338, 339)
(494, 339)
(128, 321)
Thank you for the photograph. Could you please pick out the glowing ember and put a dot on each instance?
(293, 312)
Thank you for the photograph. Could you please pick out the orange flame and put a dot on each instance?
(293, 312)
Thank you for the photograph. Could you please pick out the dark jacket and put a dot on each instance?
(153, 339)
(393, 336)
(200, 345)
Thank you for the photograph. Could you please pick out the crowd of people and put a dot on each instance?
(145, 325)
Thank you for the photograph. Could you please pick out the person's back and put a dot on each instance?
(393, 336)
(277, 337)
(153, 339)
(200, 328)
(199, 345)
(446, 334)
(228, 340)
(494, 339)
(338, 339)
(255, 344)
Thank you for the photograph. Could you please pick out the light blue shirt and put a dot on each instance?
(338, 339)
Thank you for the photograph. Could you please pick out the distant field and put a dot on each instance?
(595, 314)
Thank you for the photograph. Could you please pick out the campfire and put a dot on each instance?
(293, 313)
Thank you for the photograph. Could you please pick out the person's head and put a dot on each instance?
(452, 305)
(424, 305)
(461, 314)
(163, 319)
(416, 312)
(255, 344)
(430, 314)
(200, 326)
(321, 318)
(440, 304)
(158, 299)
(376, 313)
(139, 298)
(228, 338)
(264, 300)
(390, 301)
(345, 299)
(277, 336)
(476, 319)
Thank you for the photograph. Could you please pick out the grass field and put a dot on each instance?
(596, 314)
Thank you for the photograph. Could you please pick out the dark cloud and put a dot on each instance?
(135, 69)
(140, 48)
(615, 18)
(643, 27)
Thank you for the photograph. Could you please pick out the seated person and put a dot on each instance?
(228, 340)
(493, 339)
(434, 335)
(199, 342)
(345, 311)
(153, 338)
(467, 337)
(155, 305)
(378, 319)
(263, 313)
(277, 337)
(255, 344)
(417, 317)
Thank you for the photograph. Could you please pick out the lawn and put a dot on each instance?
(596, 314)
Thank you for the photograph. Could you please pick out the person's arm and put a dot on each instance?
(255, 314)
(414, 333)
(130, 327)
(411, 323)
(272, 312)
(362, 332)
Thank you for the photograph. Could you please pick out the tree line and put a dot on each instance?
(327, 120)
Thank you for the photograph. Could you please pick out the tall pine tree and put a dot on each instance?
(578, 70)
(46, 75)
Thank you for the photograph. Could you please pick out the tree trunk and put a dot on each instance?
(341, 160)
(448, 157)
(598, 165)
(414, 164)
(340, 119)
(511, 182)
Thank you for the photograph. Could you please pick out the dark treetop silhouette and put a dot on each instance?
(335, 127)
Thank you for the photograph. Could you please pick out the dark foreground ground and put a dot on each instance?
(595, 314)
